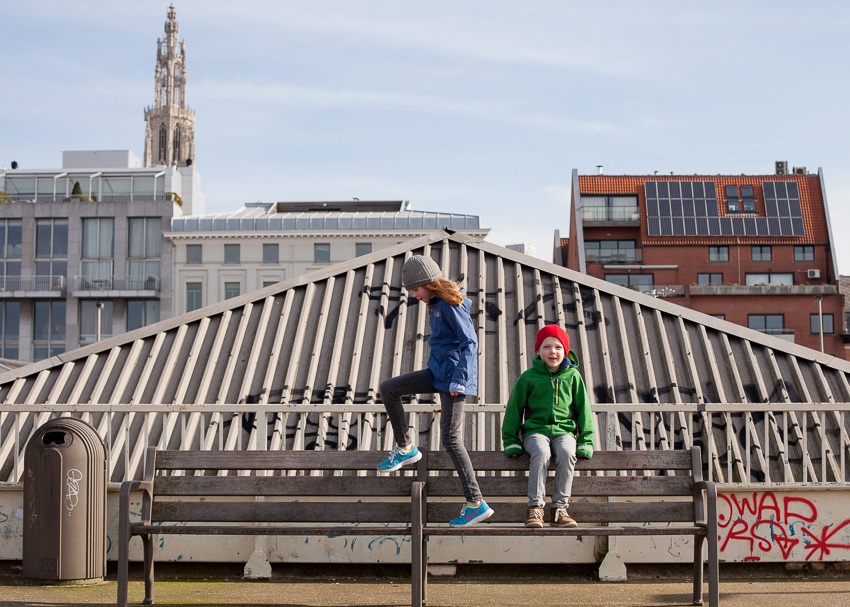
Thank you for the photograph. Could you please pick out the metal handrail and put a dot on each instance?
(32, 283)
(117, 283)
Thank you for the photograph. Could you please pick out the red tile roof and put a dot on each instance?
(814, 217)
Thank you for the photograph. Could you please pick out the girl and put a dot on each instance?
(452, 372)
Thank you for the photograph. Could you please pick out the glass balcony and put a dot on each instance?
(613, 255)
(610, 213)
(32, 283)
(125, 283)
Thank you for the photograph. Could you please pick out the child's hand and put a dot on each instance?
(454, 393)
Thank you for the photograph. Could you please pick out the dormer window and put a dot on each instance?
(732, 202)
(748, 200)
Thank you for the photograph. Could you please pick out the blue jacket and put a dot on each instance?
(453, 364)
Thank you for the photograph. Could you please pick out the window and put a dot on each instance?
(10, 252)
(718, 253)
(362, 248)
(194, 294)
(88, 320)
(268, 283)
(610, 208)
(709, 279)
(732, 202)
(51, 253)
(231, 253)
(141, 313)
(828, 327)
(194, 254)
(98, 241)
(610, 251)
(804, 253)
(772, 324)
(772, 279)
(10, 323)
(48, 329)
(271, 253)
(638, 282)
(719, 316)
(144, 250)
(762, 253)
(748, 200)
(231, 290)
(322, 253)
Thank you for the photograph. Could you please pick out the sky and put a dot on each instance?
(481, 107)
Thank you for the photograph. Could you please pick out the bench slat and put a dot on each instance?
(583, 486)
(602, 460)
(267, 530)
(284, 485)
(281, 512)
(489, 530)
(269, 460)
(583, 512)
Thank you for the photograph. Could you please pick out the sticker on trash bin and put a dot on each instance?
(73, 483)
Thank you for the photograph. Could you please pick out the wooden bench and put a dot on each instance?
(325, 514)
(638, 474)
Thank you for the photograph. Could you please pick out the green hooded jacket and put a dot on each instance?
(550, 404)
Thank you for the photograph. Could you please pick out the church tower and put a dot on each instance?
(169, 129)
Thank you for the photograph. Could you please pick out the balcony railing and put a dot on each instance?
(613, 256)
(661, 291)
(610, 214)
(126, 283)
(32, 283)
(87, 198)
(776, 331)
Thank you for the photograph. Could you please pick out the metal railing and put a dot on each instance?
(613, 255)
(126, 283)
(661, 291)
(87, 198)
(760, 445)
(776, 331)
(32, 283)
(610, 213)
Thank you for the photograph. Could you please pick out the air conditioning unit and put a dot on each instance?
(800, 171)
(781, 167)
(814, 273)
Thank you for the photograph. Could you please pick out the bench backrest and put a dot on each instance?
(184, 493)
(648, 475)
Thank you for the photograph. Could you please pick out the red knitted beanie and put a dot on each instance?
(552, 331)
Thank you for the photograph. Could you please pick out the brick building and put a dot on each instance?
(753, 250)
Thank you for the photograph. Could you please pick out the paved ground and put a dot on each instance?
(531, 586)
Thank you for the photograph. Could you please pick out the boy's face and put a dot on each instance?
(551, 351)
(421, 293)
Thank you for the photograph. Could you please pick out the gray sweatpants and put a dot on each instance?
(451, 420)
(541, 448)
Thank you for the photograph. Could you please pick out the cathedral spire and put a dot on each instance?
(169, 129)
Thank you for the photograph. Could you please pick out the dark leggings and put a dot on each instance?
(451, 420)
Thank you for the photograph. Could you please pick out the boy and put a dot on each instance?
(549, 413)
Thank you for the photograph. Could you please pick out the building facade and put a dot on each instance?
(169, 122)
(753, 250)
(218, 257)
(83, 235)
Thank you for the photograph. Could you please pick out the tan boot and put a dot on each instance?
(534, 517)
(560, 518)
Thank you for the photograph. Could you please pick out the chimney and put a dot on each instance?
(599, 168)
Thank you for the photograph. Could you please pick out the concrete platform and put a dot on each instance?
(530, 586)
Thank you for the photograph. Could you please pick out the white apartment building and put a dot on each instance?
(221, 256)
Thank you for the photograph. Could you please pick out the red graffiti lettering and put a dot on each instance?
(763, 542)
(772, 506)
(813, 512)
(738, 532)
(744, 505)
(822, 544)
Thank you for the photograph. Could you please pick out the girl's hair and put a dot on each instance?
(447, 290)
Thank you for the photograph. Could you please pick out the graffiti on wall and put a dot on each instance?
(773, 526)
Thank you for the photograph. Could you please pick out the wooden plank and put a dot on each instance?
(583, 512)
(493, 530)
(268, 530)
(583, 486)
(602, 460)
(281, 512)
(399, 486)
(268, 460)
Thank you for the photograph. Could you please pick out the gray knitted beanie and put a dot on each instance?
(418, 271)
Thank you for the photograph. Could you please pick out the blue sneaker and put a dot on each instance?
(399, 458)
(470, 516)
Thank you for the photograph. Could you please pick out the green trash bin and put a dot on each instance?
(65, 502)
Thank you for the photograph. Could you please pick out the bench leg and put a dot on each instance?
(147, 543)
(713, 569)
(699, 540)
(123, 566)
(424, 569)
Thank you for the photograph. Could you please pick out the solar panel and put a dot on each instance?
(796, 207)
(664, 207)
(738, 226)
(666, 226)
(651, 189)
(761, 224)
(785, 223)
(702, 226)
(793, 192)
(711, 207)
(750, 226)
(651, 207)
(676, 208)
(797, 226)
(688, 208)
(675, 190)
(654, 226)
(710, 190)
(781, 190)
(784, 207)
(678, 226)
(771, 208)
(663, 189)
(690, 226)
(699, 189)
(773, 223)
(714, 226)
(726, 226)
(768, 189)
(687, 190)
